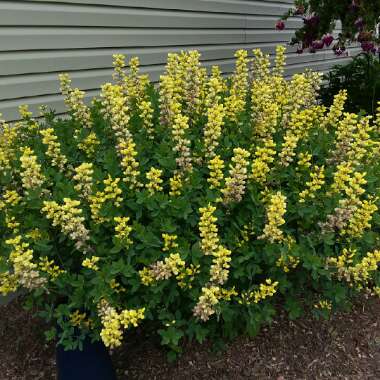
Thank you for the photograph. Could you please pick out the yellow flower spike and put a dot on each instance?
(146, 277)
(89, 144)
(25, 271)
(264, 156)
(130, 165)
(74, 100)
(235, 183)
(69, 218)
(176, 184)
(172, 265)
(220, 266)
(123, 230)
(84, 178)
(280, 60)
(192, 82)
(208, 230)
(8, 283)
(205, 307)
(235, 102)
(169, 242)
(276, 210)
(53, 149)
(360, 219)
(266, 290)
(304, 160)
(336, 109)
(119, 68)
(213, 129)
(91, 263)
(155, 181)
(317, 180)
(323, 305)
(77, 318)
(49, 267)
(215, 166)
(182, 144)
(146, 114)
(24, 112)
(115, 109)
(260, 66)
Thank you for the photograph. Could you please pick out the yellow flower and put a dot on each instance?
(304, 160)
(264, 157)
(182, 144)
(74, 100)
(162, 270)
(215, 166)
(130, 165)
(155, 180)
(275, 218)
(323, 305)
(8, 283)
(89, 144)
(69, 218)
(176, 184)
(24, 269)
(336, 110)
(91, 262)
(235, 102)
(208, 230)
(235, 183)
(53, 149)
(49, 267)
(213, 129)
(119, 68)
(123, 230)
(220, 265)
(205, 307)
(169, 242)
(111, 192)
(146, 114)
(83, 177)
(77, 319)
(360, 219)
(316, 183)
(31, 175)
(266, 290)
(287, 262)
(280, 59)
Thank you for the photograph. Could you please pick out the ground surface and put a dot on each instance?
(347, 347)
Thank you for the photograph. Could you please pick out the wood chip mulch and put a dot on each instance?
(345, 347)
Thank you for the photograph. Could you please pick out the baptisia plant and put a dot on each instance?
(193, 210)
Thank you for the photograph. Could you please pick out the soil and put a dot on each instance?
(345, 347)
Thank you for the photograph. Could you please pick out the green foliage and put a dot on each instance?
(361, 79)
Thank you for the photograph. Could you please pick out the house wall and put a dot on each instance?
(39, 39)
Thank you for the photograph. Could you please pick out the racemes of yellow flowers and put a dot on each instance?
(208, 200)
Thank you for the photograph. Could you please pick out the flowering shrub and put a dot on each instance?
(192, 210)
(359, 19)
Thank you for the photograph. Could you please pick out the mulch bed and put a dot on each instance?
(346, 347)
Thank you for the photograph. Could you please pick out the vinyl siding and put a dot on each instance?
(39, 39)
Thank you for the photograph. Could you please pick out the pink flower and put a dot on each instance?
(328, 39)
(280, 25)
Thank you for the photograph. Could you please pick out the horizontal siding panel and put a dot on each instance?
(12, 39)
(222, 6)
(13, 14)
(25, 62)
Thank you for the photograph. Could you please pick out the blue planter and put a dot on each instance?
(92, 363)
